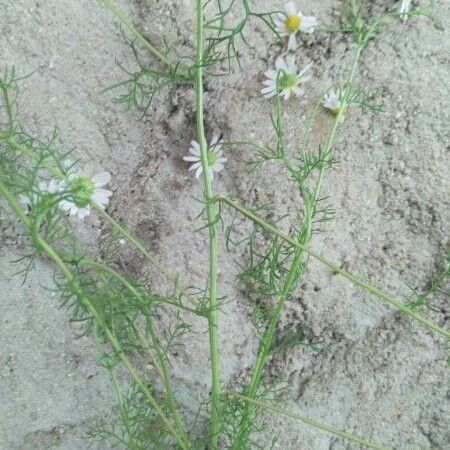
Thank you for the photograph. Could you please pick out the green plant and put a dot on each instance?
(121, 311)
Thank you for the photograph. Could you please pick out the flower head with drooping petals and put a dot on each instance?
(215, 157)
(84, 189)
(293, 20)
(285, 78)
(333, 102)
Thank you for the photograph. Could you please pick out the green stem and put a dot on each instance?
(211, 215)
(336, 268)
(135, 242)
(116, 225)
(127, 23)
(303, 238)
(161, 358)
(309, 421)
(46, 248)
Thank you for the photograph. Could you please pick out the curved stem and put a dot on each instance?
(303, 239)
(89, 305)
(127, 23)
(211, 216)
(116, 225)
(320, 425)
(161, 358)
(335, 267)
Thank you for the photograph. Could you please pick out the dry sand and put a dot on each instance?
(381, 377)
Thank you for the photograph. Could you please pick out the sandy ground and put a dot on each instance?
(381, 376)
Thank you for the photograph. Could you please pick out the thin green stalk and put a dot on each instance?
(303, 238)
(309, 421)
(46, 248)
(116, 225)
(211, 216)
(135, 242)
(161, 357)
(336, 268)
(123, 280)
(119, 397)
(127, 23)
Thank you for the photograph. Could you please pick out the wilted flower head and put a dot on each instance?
(83, 190)
(333, 102)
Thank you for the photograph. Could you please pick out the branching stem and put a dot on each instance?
(19, 147)
(335, 267)
(160, 356)
(303, 238)
(309, 421)
(53, 255)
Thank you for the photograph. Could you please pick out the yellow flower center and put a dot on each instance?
(292, 23)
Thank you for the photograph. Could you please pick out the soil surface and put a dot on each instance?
(377, 374)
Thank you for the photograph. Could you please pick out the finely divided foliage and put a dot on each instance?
(48, 193)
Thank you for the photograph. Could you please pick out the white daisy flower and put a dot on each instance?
(293, 20)
(333, 102)
(284, 78)
(84, 189)
(215, 157)
(403, 9)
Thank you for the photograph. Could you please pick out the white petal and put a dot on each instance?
(55, 186)
(101, 196)
(199, 171)
(290, 63)
(290, 8)
(43, 186)
(268, 90)
(280, 64)
(304, 79)
(196, 165)
(24, 200)
(64, 205)
(102, 178)
(217, 147)
(191, 158)
(269, 94)
(270, 86)
(287, 93)
(194, 149)
(292, 42)
(308, 24)
(82, 213)
(270, 74)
